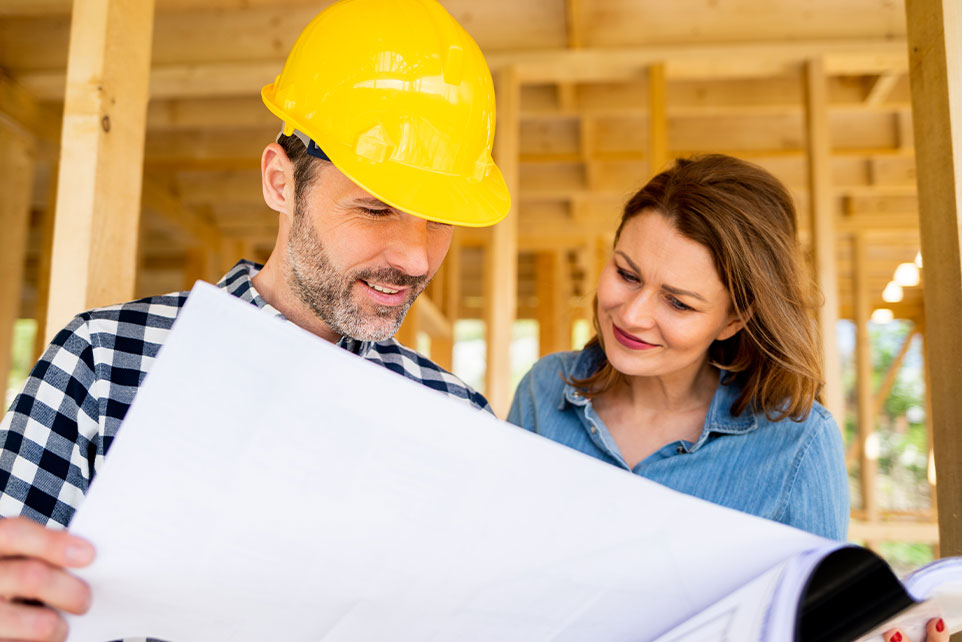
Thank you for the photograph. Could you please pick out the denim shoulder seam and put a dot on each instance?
(796, 467)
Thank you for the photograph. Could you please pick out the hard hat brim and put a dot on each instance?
(431, 195)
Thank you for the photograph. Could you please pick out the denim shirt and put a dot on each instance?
(788, 471)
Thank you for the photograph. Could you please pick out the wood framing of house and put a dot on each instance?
(593, 98)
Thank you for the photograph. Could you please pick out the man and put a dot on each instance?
(386, 144)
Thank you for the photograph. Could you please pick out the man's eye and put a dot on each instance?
(376, 212)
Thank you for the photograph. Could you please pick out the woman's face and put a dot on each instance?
(661, 303)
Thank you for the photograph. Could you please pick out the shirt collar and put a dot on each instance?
(239, 282)
(718, 419)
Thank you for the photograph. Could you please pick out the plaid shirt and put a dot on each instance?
(61, 424)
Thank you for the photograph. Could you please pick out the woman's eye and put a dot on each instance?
(678, 305)
(627, 276)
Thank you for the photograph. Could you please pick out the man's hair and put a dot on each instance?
(746, 219)
(305, 165)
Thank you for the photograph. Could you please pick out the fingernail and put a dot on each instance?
(940, 625)
(897, 637)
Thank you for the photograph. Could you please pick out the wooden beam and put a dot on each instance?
(881, 394)
(182, 219)
(934, 35)
(930, 471)
(407, 334)
(892, 374)
(552, 290)
(442, 348)
(740, 60)
(433, 322)
(867, 435)
(20, 109)
(501, 255)
(657, 120)
(894, 531)
(47, 220)
(881, 88)
(573, 25)
(822, 231)
(95, 233)
(17, 161)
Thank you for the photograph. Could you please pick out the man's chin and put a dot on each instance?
(376, 330)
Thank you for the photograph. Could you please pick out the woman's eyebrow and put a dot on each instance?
(667, 288)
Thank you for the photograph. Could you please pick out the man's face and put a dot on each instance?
(356, 262)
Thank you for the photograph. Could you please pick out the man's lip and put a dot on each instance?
(383, 298)
(631, 341)
(399, 288)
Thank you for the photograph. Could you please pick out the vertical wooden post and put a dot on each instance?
(501, 255)
(47, 219)
(551, 278)
(935, 74)
(198, 265)
(442, 348)
(657, 120)
(863, 382)
(930, 470)
(822, 218)
(102, 150)
(407, 334)
(17, 162)
(589, 263)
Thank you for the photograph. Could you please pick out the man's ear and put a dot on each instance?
(735, 323)
(277, 179)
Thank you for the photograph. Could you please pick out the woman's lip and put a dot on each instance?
(629, 341)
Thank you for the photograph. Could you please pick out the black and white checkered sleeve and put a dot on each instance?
(400, 359)
(48, 438)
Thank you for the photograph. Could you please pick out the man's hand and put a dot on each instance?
(34, 580)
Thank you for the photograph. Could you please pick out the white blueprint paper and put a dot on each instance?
(267, 485)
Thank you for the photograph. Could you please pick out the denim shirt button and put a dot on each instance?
(680, 449)
(594, 429)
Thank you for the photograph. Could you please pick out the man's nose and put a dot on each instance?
(407, 249)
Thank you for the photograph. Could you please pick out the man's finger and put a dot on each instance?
(23, 622)
(34, 579)
(21, 537)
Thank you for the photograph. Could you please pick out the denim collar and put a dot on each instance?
(718, 420)
(239, 281)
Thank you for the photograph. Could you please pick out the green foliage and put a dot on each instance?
(24, 331)
(905, 557)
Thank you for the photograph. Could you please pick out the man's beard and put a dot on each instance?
(328, 293)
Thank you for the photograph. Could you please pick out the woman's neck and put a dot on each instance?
(680, 391)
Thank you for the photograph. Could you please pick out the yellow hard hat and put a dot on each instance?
(398, 96)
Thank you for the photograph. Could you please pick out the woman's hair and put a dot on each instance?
(746, 219)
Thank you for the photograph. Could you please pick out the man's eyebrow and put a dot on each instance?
(667, 288)
(372, 202)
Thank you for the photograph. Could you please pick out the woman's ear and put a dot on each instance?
(735, 323)
(277, 179)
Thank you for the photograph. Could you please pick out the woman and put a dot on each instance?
(704, 372)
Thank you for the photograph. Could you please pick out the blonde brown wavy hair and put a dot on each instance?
(746, 219)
